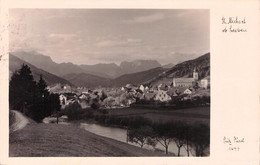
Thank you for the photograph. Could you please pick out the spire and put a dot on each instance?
(195, 74)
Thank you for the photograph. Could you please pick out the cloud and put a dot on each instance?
(110, 43)
(194, 12)
(134, 40)
(62, 36)
(146, 19)
(114, 43)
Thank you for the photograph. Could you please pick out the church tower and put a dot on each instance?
(195, 74)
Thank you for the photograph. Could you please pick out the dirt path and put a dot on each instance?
(20, 121)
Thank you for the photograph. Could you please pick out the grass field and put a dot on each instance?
(37, 140)
(190, 115)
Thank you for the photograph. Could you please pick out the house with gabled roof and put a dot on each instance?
(162, 96)
(149, 96)
(188, 91)
(172, 92)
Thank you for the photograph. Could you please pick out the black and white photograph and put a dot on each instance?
(109, 82)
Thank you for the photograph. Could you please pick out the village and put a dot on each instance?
(109, 98)
(109, 83)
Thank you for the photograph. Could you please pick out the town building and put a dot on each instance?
(204, 83)
(186, 82)
(187, 91)
(63, 100)
(141, 87)
(149, 96)
(162, 96)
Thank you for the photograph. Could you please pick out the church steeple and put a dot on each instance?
(195, 74)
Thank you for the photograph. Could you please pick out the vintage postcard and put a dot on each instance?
(166, 82)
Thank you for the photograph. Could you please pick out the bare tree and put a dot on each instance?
(163, 135)
(200, 138)
(142, 136)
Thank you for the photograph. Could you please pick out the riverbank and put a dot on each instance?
(37, 140)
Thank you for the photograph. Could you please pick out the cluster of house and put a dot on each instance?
(184, 87)
(128, 94)
(85, 98)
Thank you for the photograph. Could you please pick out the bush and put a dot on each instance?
(75, 111)
(95, 104)
(103, 111)
(87, 114)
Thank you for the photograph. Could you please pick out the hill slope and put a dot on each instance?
(87, 80)
(138, 66)
(185, 69)
(150, 77)
(93, 81)
(137, 78)
(68, 140)
(15, 63)
(111, 70)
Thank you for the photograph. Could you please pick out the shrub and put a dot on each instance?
(87, 114)
(95, 104)
(74, 111)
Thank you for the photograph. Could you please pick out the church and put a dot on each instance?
(186, 82)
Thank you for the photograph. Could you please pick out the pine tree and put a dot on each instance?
(29, 97)
(41, 110)
(22, 89)
(42, 85)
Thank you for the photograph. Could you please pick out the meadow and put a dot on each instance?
(189, 115)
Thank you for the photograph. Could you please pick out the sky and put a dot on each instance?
(91, 36)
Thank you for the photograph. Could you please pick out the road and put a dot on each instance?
(20, 121)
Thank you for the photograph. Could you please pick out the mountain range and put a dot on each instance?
(15, 64)
(148, 72)
(111, 70)
(88, 80)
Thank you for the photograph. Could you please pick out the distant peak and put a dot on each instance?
(140, 62)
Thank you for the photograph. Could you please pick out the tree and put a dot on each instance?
(42, 85)
(95, 103)
(196, 85)
(200, 138)
(44, 97)
(163, 135)
(29, 97)
(178, 134)
(73, 111)
(53, 104)
(22, 89)
(141, 136)
(103, 96)
(188, 135)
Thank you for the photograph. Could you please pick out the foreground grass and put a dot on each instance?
(36, 140)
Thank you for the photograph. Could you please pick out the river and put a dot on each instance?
(118, 134)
